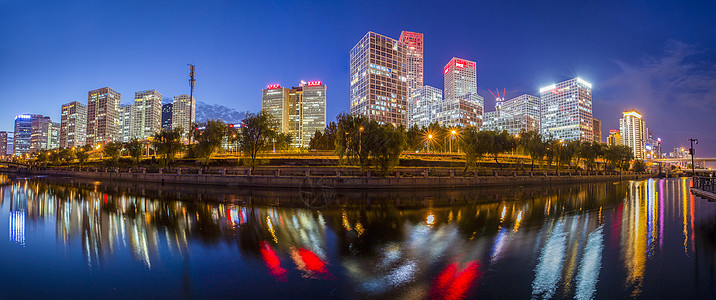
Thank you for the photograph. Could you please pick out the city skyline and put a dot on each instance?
(619, 64)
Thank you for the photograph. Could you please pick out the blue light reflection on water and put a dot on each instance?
(594, 240)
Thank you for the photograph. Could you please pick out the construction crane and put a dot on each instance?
(498, 99)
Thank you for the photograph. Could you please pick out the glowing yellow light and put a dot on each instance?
(430, 136)
(632, 113)
(454, 132)
(430, 220)
(517, 223)
(359, 228)
(271, 230)
(346, 224)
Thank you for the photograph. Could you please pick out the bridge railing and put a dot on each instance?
(707, 184)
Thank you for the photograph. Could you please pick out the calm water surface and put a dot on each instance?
(66, 238)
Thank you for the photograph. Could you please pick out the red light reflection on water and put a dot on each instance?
(454, 284)
(273, 262)
(312, 261)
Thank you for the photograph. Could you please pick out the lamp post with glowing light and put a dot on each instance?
(430, 138)
(360, 139)
(693, 153)
(453, 132)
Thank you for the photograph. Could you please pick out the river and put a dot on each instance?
(69, 238)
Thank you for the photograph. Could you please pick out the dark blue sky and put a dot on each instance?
(656, 56)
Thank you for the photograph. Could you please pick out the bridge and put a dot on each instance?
(13, 165)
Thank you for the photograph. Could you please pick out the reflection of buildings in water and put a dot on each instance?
(17, 227)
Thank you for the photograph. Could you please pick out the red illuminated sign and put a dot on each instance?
(464, 64)
(273, 86)
(447, 68)
(313, 83)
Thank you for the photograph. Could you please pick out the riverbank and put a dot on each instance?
(310, 180)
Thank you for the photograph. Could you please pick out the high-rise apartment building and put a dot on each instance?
(300, 111)
(597, 128)
(614, 138)
(379, 88)
(73, 124)
(526, 105)
(127, 116)
(413, 42)
(23, 133)
(633, 132)
(424, 106)
(147, 117)
(167, 116)
(183, 112)
(3, 143)
(566, 109)
(102, 115)
(462, 105)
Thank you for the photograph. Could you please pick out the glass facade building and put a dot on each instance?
(147, 117)
(127, 131)
(566, 109)
(424, 106)
(413, 42)
(462, 105)
(167, 116)
(183, 112)
(103, 116)
(633, 132)
(378, 79)
(73, 124)
(301, 111)
(526, 105)
(23, 133)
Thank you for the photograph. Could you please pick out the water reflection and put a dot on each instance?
(594, 240)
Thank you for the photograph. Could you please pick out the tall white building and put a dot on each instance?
(102, 115)
(73, 124)
(424, 106)
(300, 111)
(462, 105)
(274, 101)
(147, 117)
(527, 105)
(413, 42)
(379, 88)
(633, 132)
(566, 110)
(127, 116)
(183, 112)
(313, 111)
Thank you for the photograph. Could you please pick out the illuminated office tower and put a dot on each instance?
(40, 134)
(614, 138)
(127, 123)
(23, 133)
(378, 82)
(633, 132)
(300, 111)
(424, 106)
(73, 124)
(102, 116)
(526, 105)
(147, 117)
(167, 116)
(514, 124)
(3, 143)
(597, 128)
(462, 105)
(566, 109)
(413, 42)
(183, 112)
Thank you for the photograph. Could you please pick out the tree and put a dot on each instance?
(384, 143)
(42, 157)
(209, 139)
(325, 140)
(82, 154)
(533, 144)
(167, 144)
(472, 145)
(283, 141)
(349, 139)
(415, 138)
(135, 149)
(257, 133)
(112, 151)
(66, 155)
(639, 166)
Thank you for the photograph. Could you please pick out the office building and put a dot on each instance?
(127, 123)
(378, 82)
(40, 134)
(3, 143)
(183, 112)
(147, 117)
(73, 124)
(300, 111)
(102, 116)
(23, 133)
(614, 138)
(462, 106)
(424, 106)
(652, 146)
(413, 42)
(566, 110)
(597, 128)
(514, 124)
(633, 132)
(526, 105)
(167, 116)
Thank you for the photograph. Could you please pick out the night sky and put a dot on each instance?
(658, 57)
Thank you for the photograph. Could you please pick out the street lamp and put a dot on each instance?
(430, 137)
(451, 138)
(360, 139)
(693, 153)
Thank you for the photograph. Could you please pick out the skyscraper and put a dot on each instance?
(3, 143)
(183, 112)
(379, 88)
(73, 124)
(633, 132)
(147, 117)
(424, 106)
(300, 111)
(614, 138)
(413, 42)
(23, 133)
(167, 116)
(102, 115)
(597, 125)
(527, 105)
(567, 110)
(127, 116)
(462, 105)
